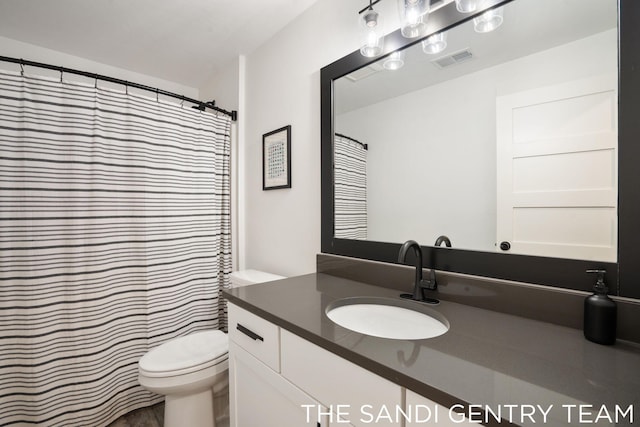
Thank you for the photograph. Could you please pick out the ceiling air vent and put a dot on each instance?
(454, 58)
(363, 72)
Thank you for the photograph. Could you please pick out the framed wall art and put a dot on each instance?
(276, 159)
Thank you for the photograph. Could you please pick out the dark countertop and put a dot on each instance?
(487, 360)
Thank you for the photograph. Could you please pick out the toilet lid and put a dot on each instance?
(249, 277)
(186, 352)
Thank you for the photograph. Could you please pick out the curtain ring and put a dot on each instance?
(126, 88)
(61, 73)
(95, 76)
(157, 95)
(21, 68)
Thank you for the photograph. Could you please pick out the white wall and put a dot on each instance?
(416, 191)
(223, 87)
(283, 88)
(17, 49)
(226, 90)
(431, 163)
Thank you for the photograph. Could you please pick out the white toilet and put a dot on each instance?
(192, 371)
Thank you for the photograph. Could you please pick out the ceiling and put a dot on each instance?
(183, 41)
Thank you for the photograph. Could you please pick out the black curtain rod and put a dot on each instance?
(200, 105)
(365, 146)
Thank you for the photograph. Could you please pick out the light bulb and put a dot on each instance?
(435, 43)
(395, 61)
(413, 16)
(371, 35)
(488, 21)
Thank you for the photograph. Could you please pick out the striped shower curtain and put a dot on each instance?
(350, 187)
(114, 237)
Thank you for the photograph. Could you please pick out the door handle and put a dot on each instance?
(249, 333)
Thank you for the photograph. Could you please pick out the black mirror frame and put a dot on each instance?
(623, 277)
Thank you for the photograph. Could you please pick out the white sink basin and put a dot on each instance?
(388, 318)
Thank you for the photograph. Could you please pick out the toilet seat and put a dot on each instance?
(180, 356)
(192, 371)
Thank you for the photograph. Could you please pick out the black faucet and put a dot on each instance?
(443, 239)
(420, 285)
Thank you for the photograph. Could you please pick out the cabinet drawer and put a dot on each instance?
(256, 335)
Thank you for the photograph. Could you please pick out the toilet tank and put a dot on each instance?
(250, 277)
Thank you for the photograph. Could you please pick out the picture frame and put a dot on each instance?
(276, 159)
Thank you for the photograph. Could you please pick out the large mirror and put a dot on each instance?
(506, 142)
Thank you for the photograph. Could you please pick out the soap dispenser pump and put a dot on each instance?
(600, 313)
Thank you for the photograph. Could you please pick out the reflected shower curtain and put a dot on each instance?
(114, 237)
(350, 186)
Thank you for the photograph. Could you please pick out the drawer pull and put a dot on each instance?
(249, 332)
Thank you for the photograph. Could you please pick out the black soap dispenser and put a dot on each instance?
(600, 313)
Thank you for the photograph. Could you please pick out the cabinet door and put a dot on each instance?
(362, 397)
(425, 412)
(261, 397)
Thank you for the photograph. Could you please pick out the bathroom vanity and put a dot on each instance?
(283, 378)
(291, 365)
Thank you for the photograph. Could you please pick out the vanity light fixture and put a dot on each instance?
(488, 21)
(395, 61)
(435, 43)
(372, 36)
(413, 17)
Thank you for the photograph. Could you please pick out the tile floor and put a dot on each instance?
(152, 416)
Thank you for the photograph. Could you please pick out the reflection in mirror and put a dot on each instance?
(505, 141)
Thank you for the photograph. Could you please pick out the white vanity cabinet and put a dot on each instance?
(278, 379)
(258, 394)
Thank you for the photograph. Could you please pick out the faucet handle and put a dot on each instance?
(429, 284)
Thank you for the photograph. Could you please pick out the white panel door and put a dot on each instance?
(557, 170)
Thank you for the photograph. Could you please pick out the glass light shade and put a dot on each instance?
(394, 61)
(435, 43)
(413, 17)
(371, 33)
(489, 21)
(467, 6)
